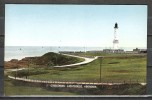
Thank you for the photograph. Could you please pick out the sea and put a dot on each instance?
(19, 52)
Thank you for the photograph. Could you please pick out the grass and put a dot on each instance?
(119, 68)
(22, 89)
(53, 59)
(93, 54)
(49, 59)
(131, 68)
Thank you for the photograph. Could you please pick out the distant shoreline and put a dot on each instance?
(19, 52)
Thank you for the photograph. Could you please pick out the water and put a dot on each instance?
(19, 52)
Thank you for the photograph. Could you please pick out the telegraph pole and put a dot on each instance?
(29, 69)
(100, 58)
(16, 73)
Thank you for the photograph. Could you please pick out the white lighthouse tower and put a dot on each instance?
(115, 40)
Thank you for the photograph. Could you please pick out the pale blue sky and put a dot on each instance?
(75, 25)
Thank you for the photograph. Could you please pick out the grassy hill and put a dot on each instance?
(53, 59)
(48, 59)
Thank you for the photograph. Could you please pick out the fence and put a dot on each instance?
(76, 82)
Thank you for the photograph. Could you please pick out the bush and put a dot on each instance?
(27, 72)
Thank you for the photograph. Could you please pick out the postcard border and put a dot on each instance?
(85, 2)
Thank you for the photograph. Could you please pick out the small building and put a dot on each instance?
(131, 52)
(140, 50)
(136, 49)
(113, 50)
(119, 51)
(107, 50)
(94, 51)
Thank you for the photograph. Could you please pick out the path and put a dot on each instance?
(13, 70)
(87, 60)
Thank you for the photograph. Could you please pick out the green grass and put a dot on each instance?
(131, 68)
(93, 54)
(20, 88)
(49, 59)
(16, 89)
(53, 59)
(119, 68)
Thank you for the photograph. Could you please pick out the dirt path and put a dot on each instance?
(87, 60)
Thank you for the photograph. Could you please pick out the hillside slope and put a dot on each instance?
(48, 59)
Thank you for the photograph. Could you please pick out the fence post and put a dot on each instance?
(130, 82)
(82, 85)
(66, 85)
(118, 86)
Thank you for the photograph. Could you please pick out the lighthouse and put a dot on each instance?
(115, 48)
(115, 40)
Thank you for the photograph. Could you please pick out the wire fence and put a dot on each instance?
(80, 82)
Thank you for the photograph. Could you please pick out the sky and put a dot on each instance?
(75, 25)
